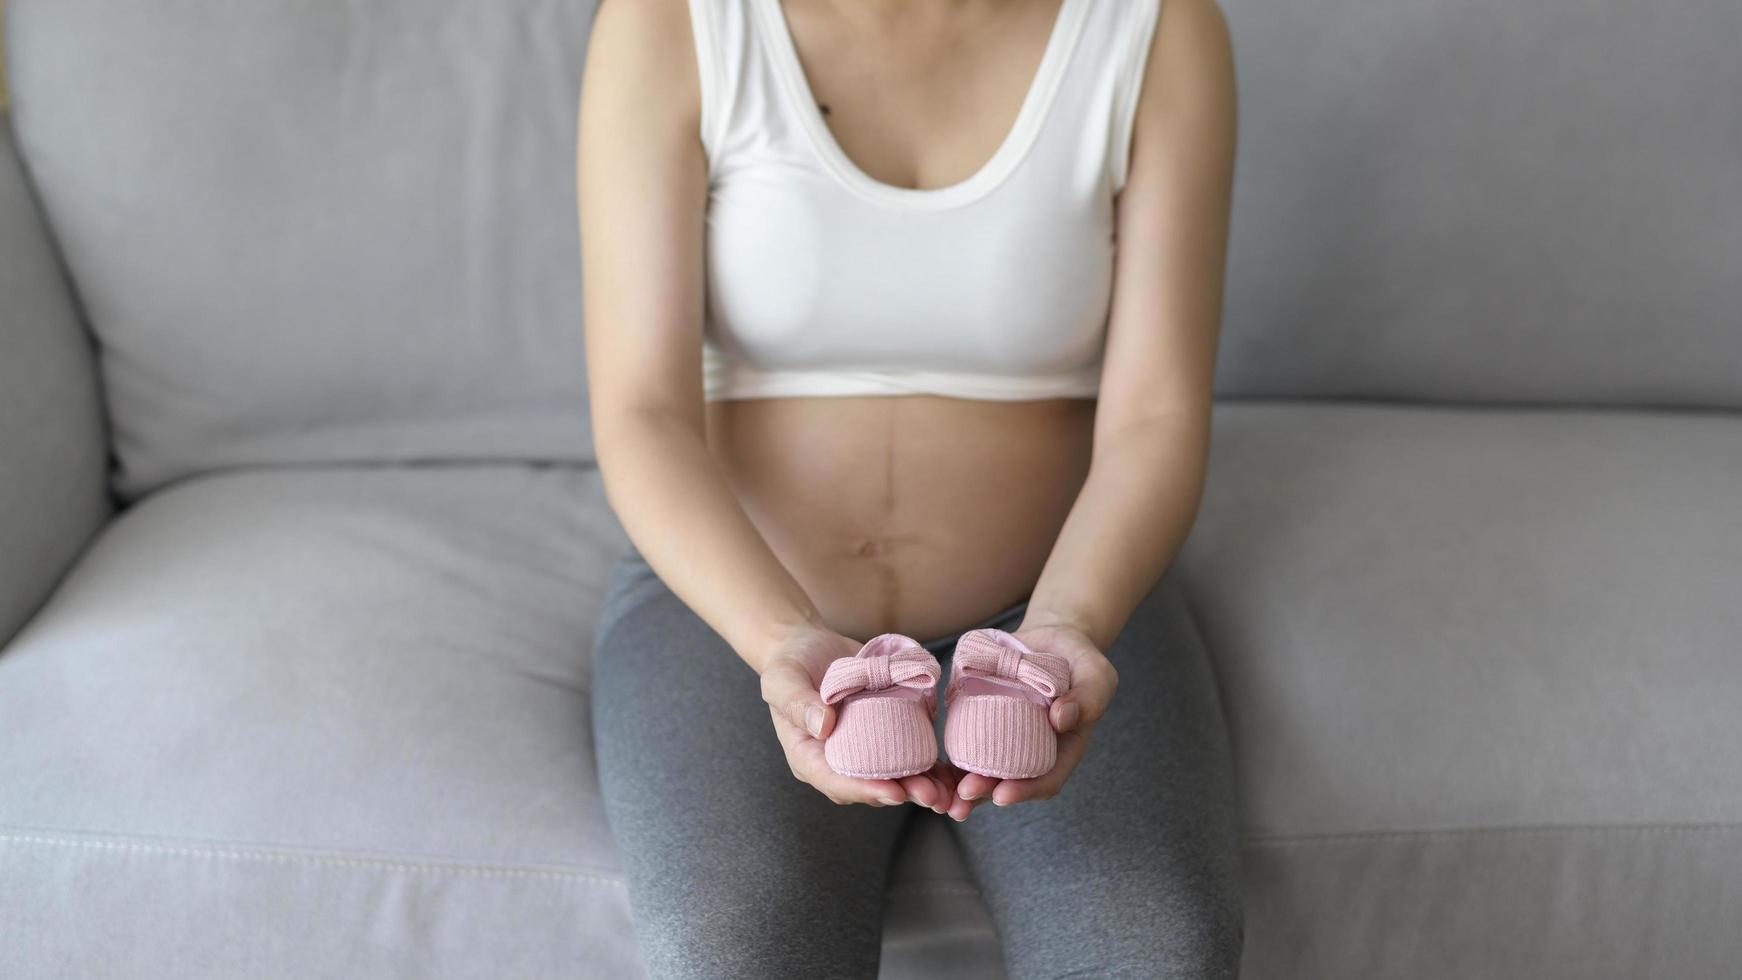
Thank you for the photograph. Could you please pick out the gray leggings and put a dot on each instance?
(736, 869)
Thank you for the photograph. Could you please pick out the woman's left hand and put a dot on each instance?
(1073, 716)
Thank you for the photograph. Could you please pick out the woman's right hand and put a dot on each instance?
(792, 673)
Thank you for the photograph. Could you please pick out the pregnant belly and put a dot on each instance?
(913, 514)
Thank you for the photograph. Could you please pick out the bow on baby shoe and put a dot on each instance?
(984, 653)
(906, 664)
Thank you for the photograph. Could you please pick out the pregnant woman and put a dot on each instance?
(901, 317)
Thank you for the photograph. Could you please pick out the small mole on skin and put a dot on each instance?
(824, 108)
(868, 548)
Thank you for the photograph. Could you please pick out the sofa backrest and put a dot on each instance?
(316, 231)
(330, 231)
(1487, 201)
(53, 451)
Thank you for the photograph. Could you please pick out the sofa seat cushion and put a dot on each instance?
(334, 722)
(1482, 670)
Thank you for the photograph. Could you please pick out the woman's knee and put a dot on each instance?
(753, 879)
(758, 926)
(1203, 938)
(1175, 937)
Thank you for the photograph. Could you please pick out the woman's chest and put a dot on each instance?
(802, 276)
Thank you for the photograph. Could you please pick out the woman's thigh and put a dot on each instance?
(1133, 868)
(734, 867)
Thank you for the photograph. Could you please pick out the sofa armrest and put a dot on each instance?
(53, 448)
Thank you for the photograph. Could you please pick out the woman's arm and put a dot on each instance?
(1152, 421)
(641, 179)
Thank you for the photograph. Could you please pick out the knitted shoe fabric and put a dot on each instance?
(886, 699)
(996, 705)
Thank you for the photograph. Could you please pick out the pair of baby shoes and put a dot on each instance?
(996, 705)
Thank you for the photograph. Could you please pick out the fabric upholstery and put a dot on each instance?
(1600, 902)
(315, 232)
(1478, 666)
(53, 448)
(1481, 675)
(316, 705)
(311, 232)
(1486, 201)
(334, 722)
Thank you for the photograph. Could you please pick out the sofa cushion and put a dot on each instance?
(316, 231)
(1485, 201)
(1482, 670)
(53, 451)
(334, 722)
(347, 231)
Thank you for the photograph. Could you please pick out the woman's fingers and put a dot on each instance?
(804, 755)
(925, 791)
(1046, 786)
(802, 721)
(950, 777)
(960, 809)
(946, 776)
(788, 688)
(1093, 681)
(974, 786)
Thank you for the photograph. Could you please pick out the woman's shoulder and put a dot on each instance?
(649, 46)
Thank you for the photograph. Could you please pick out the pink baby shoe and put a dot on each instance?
(996, 705)
(886, 697)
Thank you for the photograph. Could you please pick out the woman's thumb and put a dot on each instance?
(787, 686)
(815, 718)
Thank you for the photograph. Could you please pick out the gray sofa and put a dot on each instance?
(301, 541)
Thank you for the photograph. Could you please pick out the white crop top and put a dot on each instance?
(822, 280)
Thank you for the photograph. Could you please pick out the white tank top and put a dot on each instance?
(822, 280)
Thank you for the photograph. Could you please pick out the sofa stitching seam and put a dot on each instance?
(282, 857)
(950, 888)
(1381, 835)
